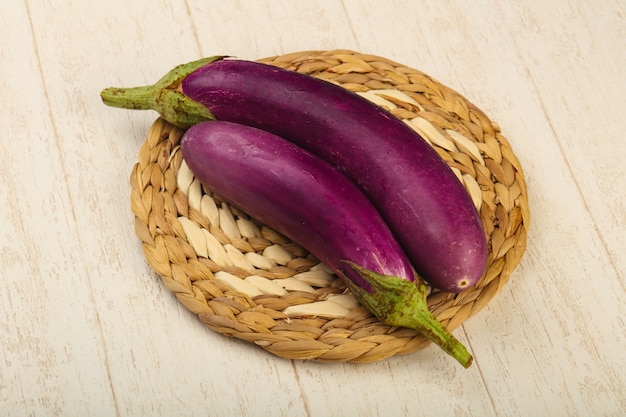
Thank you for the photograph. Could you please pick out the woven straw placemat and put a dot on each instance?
(246, 281)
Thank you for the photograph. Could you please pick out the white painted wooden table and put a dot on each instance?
(87, 329)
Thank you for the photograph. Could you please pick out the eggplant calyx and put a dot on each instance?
(164, 97)
(398, 302)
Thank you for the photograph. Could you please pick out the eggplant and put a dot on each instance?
(418, 195)
(315, 205)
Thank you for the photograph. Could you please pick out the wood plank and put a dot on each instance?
(49, 329)
(254, 30)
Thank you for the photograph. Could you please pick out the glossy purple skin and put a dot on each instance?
(296, 194)
(418, 195)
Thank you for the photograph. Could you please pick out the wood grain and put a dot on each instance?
(87, 328)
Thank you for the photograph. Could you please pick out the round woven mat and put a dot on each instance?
(246, 281)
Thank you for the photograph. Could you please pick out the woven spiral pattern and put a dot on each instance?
(203, 249)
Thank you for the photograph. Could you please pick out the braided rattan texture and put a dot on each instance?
(171, 219)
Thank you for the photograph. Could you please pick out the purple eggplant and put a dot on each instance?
(314, 204)
(425, 205)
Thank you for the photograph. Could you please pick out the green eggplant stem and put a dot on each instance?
(164, 97)
(398, 302)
